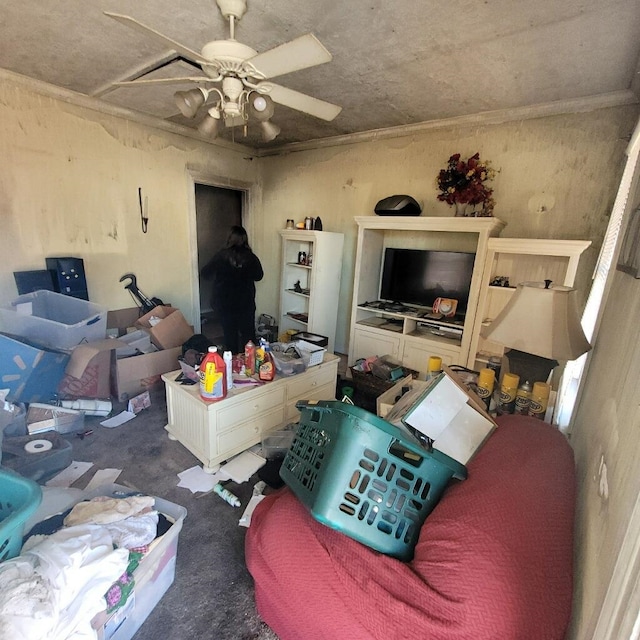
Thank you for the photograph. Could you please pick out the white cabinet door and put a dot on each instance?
(416, 353)
(369, 342)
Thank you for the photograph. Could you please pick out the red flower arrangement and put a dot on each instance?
(462, 184)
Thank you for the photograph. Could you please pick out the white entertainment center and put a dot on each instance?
(407, 332)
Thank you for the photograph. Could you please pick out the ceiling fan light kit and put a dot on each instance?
(240, 73)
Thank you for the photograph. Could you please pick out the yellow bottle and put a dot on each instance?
(508, 390)
(434, 367)
(539, 399)
(486, 382)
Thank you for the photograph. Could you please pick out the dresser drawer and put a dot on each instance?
(327, 392)
(244, 435)
(310, 382)
(259, 404)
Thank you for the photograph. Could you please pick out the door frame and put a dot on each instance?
(196, 176)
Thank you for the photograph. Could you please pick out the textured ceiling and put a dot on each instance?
(395, 62)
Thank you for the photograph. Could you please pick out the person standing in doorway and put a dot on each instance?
(235, 270)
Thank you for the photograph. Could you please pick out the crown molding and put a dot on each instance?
(560, 107)
(95, 104)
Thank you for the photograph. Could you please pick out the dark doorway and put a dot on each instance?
(217, 210)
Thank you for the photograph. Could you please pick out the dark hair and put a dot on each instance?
(238, 238)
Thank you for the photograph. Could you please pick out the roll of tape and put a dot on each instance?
(38, 446)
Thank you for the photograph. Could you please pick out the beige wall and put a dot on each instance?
(570, 165)
(69, 180)
(607, 447)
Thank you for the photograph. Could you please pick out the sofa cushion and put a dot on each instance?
(493, 560)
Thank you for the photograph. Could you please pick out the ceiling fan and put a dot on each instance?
(236, 84)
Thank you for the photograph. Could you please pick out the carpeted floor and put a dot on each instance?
(212, 596)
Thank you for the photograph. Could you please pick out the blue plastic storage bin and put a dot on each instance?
(19, 499)
(365, 477)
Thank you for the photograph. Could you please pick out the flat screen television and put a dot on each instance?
(419, 276)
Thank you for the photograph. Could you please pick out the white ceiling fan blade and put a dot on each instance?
(300, 101)
(301, 53)
(176, 46)
(129, 83)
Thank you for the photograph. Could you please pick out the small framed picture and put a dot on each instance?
(629, 258)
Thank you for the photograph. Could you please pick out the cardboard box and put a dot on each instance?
(88, 373)
(387, 400)
(134, 375)
(95, 371)
(30, 371)
(171, 331)
(121, 321)
(444, 410)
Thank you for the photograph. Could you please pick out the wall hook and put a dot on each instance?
(144, 216)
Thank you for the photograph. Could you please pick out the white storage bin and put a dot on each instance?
(315, 353)
(153, 576)
(54, 320)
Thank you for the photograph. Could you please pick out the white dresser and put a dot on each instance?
(214, 432)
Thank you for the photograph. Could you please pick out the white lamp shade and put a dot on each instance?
(190, 101)
(210, 125)
(269, 131)
(541, 321)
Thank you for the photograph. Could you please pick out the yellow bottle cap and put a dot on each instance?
(434, 364)
(486, 377)
(510, 380)
(541, 390)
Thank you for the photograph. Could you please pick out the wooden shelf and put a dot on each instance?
(319, 281)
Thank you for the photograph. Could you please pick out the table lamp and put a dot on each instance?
(539, 326)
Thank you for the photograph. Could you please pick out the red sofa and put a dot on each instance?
(493, 561)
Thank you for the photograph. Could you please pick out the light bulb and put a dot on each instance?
(260, 104)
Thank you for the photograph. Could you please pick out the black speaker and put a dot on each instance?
(399, 205)
(68, 276)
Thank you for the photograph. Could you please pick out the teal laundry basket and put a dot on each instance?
(19, 499)
(365, 477)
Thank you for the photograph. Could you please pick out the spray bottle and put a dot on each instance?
(250, 358)
(267, 370)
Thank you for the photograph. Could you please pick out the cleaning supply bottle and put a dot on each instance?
(250, 358)
(227, 356)
(226, 495)
(434, 367)
(213, 376)
(267, 371)
(539, 399)
(523, 398)
(508, 390)
(260, 351)
(486, 382)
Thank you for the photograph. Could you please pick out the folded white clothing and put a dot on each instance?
(134, 532)
(103, 510)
